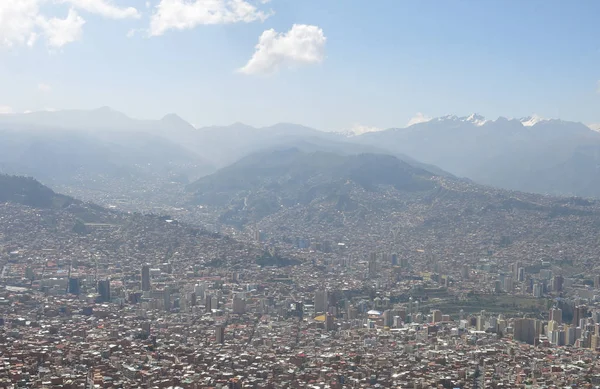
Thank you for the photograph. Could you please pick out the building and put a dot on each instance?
(329, 322)
(146, 278)
(537, 290)
(526, 330)
(104, 290)
(557, 283)
(208, 303)
(321, 301)
(437, 315)
(74, 286)
(579, 313)
(556, 315)
(373, 265)
(239, 305)
(220, 334)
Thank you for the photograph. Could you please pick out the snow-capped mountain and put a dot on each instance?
(474, 118)
(531, 154)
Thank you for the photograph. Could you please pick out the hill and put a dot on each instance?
(27, 191)
(262, 183)
(543, 156)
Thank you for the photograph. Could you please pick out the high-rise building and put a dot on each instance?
(570, 335)
(437, 315)
(537, 290)
(329, 322)
(220, 334)
(394, 259)
(508, 285)
(521, 274)
(321, 301)
(146, 278)
(597, 281)
(208, 303)
(167, 299)
(557, 283)
(556, 315)
(480, 325)
(239, 305)
(579, 313)
(373, 265)
(104, 290)
(526, 330)
(74, 286)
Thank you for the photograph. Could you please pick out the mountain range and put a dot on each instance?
(529, 154)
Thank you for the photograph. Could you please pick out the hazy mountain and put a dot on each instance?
(101, 150)
(528, 154)
(262, 183)
(213, 146)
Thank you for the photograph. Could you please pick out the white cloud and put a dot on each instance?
(42, 87)
(186, 14)
(301, 45)
(18, 21)
(60, 32)
(418, 118)
(23, 23)
(5, 110)
(105, 8)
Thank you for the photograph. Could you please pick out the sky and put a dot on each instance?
(332, 65)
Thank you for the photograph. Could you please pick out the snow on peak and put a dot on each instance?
(474, 118)
(531, 120)
(359, 129)
(594, 127)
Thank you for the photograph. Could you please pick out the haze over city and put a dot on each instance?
(273, 194)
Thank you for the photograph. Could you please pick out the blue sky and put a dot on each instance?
(346, 63)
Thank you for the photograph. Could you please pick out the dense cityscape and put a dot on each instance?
(300, 194)
(99, 298)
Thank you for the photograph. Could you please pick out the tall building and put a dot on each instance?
(521, 274)
(321, 301)
(508, 284)
(579, 313)
(394, 259)
(570, 335)
(329, 322)
(167, 299)
(146, 278)
(373, 265)
(104, 290)
(597, 281)
(74, 286)
(557, 283)
(526, 330)
(556, 315)
(208, 303)
(239, 305)
(437, 315)
(220, 334)
(537, 290)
